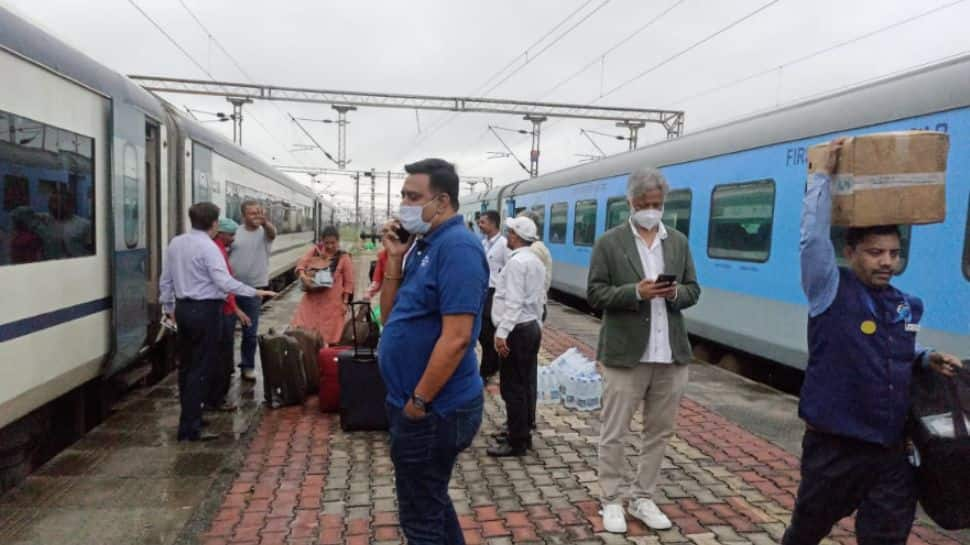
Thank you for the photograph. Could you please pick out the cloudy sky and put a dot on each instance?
(605, 52)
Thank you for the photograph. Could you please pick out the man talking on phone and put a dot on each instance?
(432, 310)
(641, 276)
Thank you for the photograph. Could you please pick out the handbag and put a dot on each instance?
(360, 329)
(323, 278)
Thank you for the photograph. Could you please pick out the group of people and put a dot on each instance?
(441, 289)
(206, 286)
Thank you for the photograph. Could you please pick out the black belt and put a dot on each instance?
(185, 300)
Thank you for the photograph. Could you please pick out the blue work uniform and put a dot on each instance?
(855, 397)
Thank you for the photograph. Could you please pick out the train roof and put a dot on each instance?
(25, 39)
(939, 87)
(226, 148)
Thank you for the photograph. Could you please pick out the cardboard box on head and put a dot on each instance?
(887, 178)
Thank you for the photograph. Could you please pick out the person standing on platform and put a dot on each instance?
(497, 252)
(542, 252)
(324, 309)
(643, 345)
(377, 279)
(432, 312)
(250, 260)
(516, 313)
(192, 289)
(855, 396)
(221, 375)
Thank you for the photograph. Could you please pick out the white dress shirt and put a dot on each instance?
(497, 252)
(543, 254)
(652, 261)
(519, 293)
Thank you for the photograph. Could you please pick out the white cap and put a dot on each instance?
(523, 227)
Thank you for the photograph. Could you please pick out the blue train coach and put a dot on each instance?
(736, 192)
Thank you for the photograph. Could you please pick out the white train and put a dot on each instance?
(96, 175)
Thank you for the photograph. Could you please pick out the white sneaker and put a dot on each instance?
(614, 521)
(249, 374)
(650, 514)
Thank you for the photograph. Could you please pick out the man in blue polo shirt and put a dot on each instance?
(427, 354)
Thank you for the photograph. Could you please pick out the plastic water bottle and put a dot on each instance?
(553, 384)
(597, 392)
(585, 389)
(569, 399)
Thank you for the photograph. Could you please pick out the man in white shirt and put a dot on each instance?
(542, 252)
(516, 312)
(641, 275)
(496, 251)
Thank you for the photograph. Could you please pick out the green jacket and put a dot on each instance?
(614, 271)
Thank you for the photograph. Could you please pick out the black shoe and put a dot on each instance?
(501, 436)
(202, 436)
(504, 450)
(204, 423)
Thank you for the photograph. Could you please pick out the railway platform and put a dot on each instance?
(291, 476)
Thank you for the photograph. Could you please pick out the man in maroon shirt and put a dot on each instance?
(222, 369)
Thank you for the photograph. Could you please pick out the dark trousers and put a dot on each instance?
(842, 475)
(519, 374)
(220, 375)
(424, 454)
(250, 335)
(199, 326)
(486, 337)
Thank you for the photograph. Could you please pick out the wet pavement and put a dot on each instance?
(291, 475)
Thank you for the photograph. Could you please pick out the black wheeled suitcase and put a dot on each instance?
(362, 390)
(939, 428)
(284, 379)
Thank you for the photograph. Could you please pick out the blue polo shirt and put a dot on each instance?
(445, 274)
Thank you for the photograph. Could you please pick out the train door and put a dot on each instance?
(129, 235)
(154, 214)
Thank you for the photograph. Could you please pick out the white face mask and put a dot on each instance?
(649, 218)
(411, 218)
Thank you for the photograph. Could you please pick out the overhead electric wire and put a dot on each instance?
(245, 74)
(611, 49)
(445, 121)
(688, 49)
(171, 39)
(817, 53)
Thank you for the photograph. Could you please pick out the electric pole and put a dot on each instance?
(237, 117)
(342, 132)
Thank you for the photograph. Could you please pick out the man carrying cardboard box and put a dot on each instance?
(855, 397)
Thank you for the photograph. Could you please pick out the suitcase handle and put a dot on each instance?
(353, 316)
(960, 411)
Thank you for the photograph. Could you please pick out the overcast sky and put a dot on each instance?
(455, 47)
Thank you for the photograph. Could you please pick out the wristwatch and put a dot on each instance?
(420, 402)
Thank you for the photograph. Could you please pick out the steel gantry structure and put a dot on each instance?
(373, 174)
(535, 112)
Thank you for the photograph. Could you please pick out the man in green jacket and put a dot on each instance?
(641, 275)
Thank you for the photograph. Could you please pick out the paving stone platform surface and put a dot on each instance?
(292, 476)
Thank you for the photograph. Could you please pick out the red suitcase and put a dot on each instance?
(329, 378)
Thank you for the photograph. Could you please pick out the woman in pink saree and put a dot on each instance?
(324, 309)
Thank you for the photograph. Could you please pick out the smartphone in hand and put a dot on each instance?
(666, 279)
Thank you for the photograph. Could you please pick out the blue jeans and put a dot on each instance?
(247, 350)
(424, 453)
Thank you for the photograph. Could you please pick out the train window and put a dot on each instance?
(129, 196)
(838, 241)
(617, 211)
(201, 169)
(48, 192)
(584, 223)
(540, 213)
(677, 210)
(558, 217)
(966, 247)
(741, 219)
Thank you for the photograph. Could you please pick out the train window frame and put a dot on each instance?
(576, 231)
(609, 204)
(710, 218)
(540, 211)
(690, 208)
(49, 230)
(565, 224)
(966, 246)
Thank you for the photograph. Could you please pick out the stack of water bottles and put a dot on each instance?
(571, 379)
